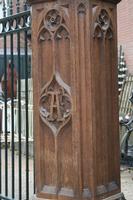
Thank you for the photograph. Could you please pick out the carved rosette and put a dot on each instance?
(53, 19)
(55, 104)
(103, 25)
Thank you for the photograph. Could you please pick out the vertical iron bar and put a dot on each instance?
(12, 115)
(27, 119)
(19, 117)
(11, 8)
(34, 186)
(1, 152)
(0, 163)
(25, 5)
(18, 6)
(4, 8)
(5, 113)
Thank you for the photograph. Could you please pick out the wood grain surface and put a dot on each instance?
(75, 99)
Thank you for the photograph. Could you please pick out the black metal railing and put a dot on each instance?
(11, 7)
(126, 142)
(122, 69)
(16, 161)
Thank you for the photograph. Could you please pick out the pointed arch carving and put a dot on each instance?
(109, 33)
(81, 9)
(44, 35)
(62, 33)
(103, 25)
(98, 32)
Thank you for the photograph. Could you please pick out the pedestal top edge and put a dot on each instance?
(43, 1)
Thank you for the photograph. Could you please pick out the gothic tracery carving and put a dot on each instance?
(55, 104)
(103, 25)
(53, 27)
(55, 100)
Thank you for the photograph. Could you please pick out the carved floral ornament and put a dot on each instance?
(103, 25)
(55, 104)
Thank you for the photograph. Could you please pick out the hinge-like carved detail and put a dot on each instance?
(55, 104)
(103, 25)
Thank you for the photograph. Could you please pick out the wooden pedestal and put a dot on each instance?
(75, 99)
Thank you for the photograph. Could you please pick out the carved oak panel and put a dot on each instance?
(76, 130)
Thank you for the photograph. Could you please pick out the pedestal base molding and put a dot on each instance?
(119, 196)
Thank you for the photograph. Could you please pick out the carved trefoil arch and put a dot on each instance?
(103, 27)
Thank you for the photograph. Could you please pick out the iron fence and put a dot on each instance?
(16, 167)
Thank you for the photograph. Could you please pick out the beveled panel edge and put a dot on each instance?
(34, 197)
(112, 186)
(65, 192)
(53, 190)
(101, 189)
(119, 196)
(109, 187)
(43, 1)
(86, 193)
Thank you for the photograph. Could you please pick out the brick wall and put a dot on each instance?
(125, 30)
(15, 37)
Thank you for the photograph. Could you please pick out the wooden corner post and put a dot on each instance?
(75, 99)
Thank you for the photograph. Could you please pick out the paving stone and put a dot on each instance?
(127, 183)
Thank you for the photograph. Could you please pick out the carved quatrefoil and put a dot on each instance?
(55, 104)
